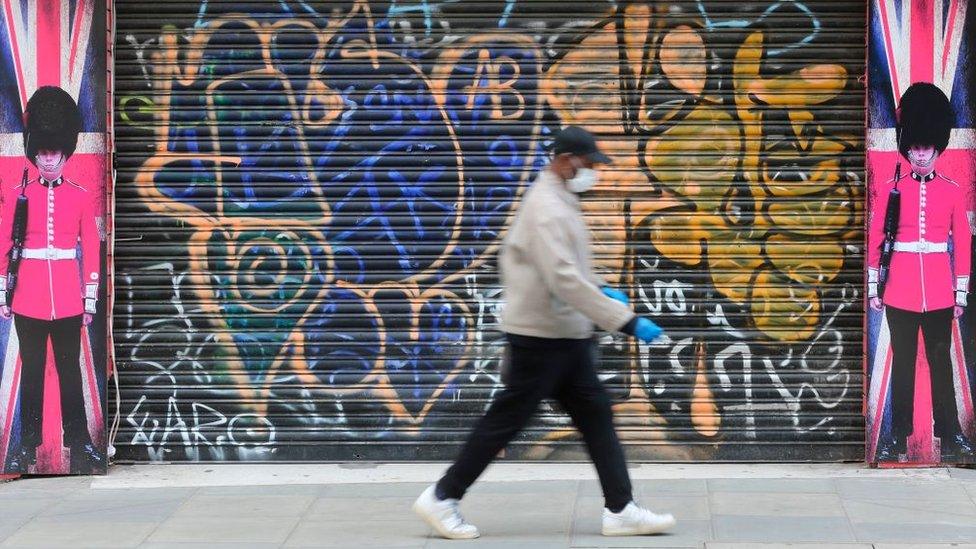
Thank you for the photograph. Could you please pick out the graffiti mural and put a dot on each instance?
(52, 237)
(311, 196)
(920, 356)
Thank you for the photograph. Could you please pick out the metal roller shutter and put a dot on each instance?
(310, 196)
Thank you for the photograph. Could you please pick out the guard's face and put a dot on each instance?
(922, 158)
(50, 164)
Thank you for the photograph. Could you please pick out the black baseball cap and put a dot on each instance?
(577, 141)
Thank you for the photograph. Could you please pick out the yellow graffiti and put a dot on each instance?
(768, 263)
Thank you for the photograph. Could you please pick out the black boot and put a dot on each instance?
(955, 448)
(86, 459)
(900, 445)
(23, 461)
(891, 449)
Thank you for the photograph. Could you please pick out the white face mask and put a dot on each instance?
(584, 180)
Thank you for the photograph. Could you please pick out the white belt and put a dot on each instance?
(50, 253)
(922, 247)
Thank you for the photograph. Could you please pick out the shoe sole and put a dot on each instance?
(661, 529)
(436, 525)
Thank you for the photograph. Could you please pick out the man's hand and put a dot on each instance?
(957, 311)
(616, 294)
(876, 303)
(87, 319)
(5, 312)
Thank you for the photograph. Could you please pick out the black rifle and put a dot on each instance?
(892, 212)
(18, 234)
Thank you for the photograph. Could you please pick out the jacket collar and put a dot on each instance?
(55, 184)
(925, 179)
(546, 177)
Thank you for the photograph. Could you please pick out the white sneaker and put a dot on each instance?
(635, 521)
(443, 516)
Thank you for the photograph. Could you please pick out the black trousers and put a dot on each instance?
(564, 370)
(65, 337)
(936, 329)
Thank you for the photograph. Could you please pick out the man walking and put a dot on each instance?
(552, 301)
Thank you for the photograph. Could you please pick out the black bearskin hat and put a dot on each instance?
(52, 122)
(924, 118)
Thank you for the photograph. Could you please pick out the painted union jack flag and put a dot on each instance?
(51, 43)
(921, 41)
(914, 41)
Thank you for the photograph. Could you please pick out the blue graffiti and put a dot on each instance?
(415, 187)
(742, 23)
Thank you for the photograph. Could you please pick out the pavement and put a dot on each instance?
(541, 505)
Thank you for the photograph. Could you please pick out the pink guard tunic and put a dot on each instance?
(933, 211)
(59, 215)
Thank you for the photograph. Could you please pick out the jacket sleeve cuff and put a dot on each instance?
(872, 283)
(962, 284)
(962, 290)
(630, 326)
(91, 298)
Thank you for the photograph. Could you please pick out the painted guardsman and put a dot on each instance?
(926, 286)
(56, 291)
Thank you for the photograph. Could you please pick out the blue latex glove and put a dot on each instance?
(616, 294)
(647, 331)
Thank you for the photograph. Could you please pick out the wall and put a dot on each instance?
(311, 196)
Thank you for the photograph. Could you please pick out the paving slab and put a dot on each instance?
(776, 504)
(513, 526)
(679, 487)
(264, 490)
(911, 511)
(122, 505)
(353, 534)
(769, 529)
(55, 533)
(204, 529)
(774, 485)
(925, 546)
(234, 507)
(914, 533)
(11, 521)
(392, 489)
(208, 545)
(332, 509)
(727, 545)
(901, 489)
(966, 474)
(540, 505)
(495, 543)
(509, 505)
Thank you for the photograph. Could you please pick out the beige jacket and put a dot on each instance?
(546, 268)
